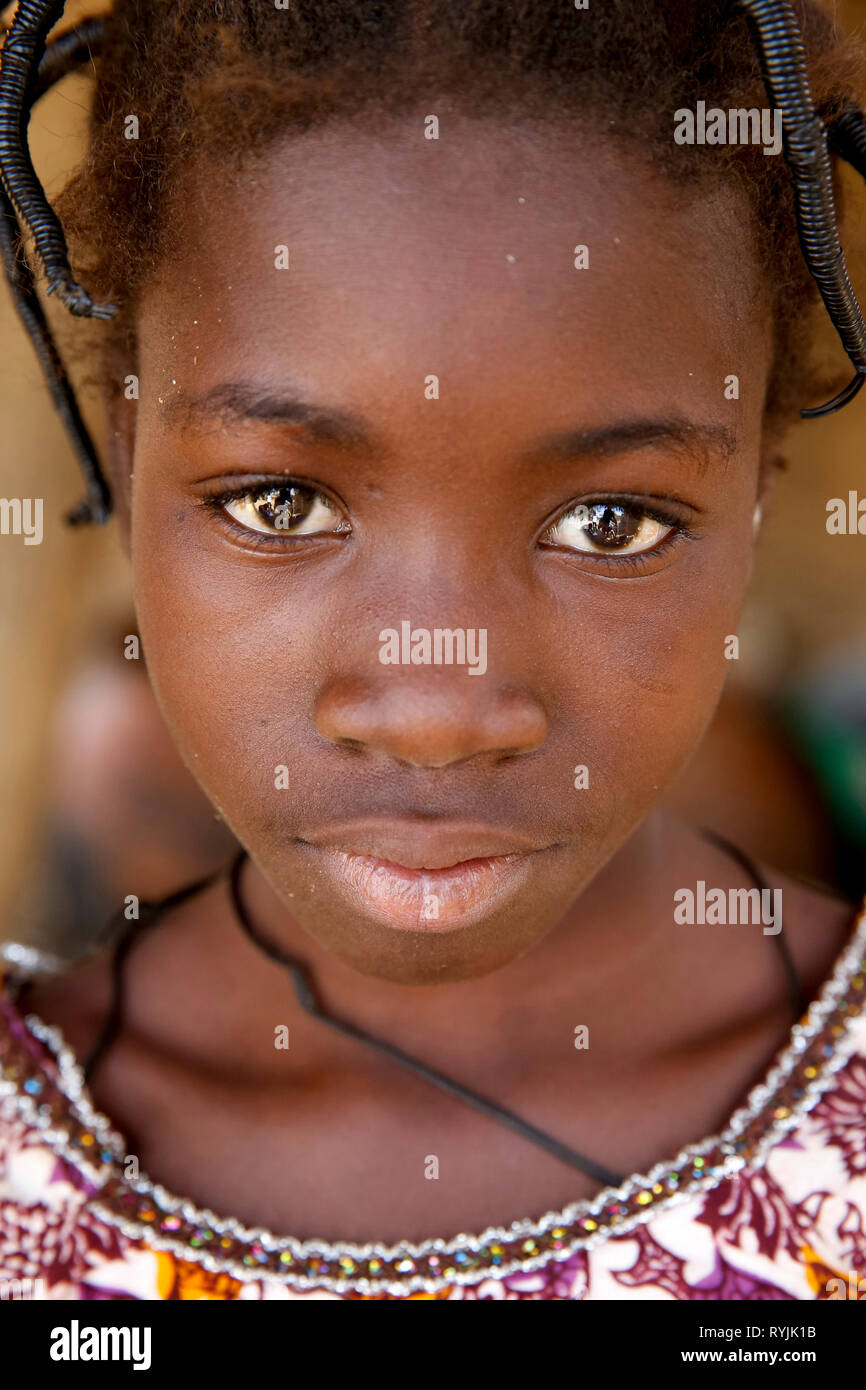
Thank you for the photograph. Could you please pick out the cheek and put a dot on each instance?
(641, 671)
(231, 651)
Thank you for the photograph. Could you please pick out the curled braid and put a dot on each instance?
(22, 54)
(67, 51)
(781, 52)
(29, 66)
(27, 71)
(847, 137)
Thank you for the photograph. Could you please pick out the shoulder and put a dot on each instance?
(32, 1103)
(72, 996)
(828, 939)
(47, 1152)
(36, 1066)
(53, 1243)
(20, 962)
(819, 928)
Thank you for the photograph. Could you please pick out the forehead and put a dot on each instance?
(500, 254)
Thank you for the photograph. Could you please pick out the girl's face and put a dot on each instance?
(389, 353)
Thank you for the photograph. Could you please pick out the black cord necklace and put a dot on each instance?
(306, 996)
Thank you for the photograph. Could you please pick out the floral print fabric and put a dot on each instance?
(787, 1223)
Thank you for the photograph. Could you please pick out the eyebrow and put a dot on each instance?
(237, 402)
(688, 437)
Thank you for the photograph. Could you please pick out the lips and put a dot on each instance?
(429, 877)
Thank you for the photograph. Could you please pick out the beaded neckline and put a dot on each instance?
(61, 1107)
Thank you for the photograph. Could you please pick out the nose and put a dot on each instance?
(431, 719)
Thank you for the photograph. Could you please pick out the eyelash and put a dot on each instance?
(680, 531)
(215, 502)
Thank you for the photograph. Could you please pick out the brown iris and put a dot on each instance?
(611, 525)
(283, 507)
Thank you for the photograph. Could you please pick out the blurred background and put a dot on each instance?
(97, 805)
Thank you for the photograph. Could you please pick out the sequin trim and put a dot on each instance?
(819, 1045)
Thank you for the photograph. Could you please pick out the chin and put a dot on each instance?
(406, 957)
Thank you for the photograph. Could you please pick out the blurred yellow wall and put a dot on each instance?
(47, 592)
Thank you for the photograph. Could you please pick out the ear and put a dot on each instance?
(121, 414)
(773, 463)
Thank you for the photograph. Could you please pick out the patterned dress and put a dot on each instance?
(774, 1207)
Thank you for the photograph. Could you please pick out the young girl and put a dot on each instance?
(443, 405)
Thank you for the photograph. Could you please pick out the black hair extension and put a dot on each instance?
(27, 71)
(780, 48)
(23, 51)
(847, 136)
(29, 67)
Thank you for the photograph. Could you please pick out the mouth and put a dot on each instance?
(425, 877)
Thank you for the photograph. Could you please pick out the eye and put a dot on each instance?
(287, 509)
(609, 528)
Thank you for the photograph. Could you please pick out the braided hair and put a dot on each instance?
(226, 76)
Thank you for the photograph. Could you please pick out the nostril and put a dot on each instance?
(431, 727)
(430, 763)
(354, 745)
